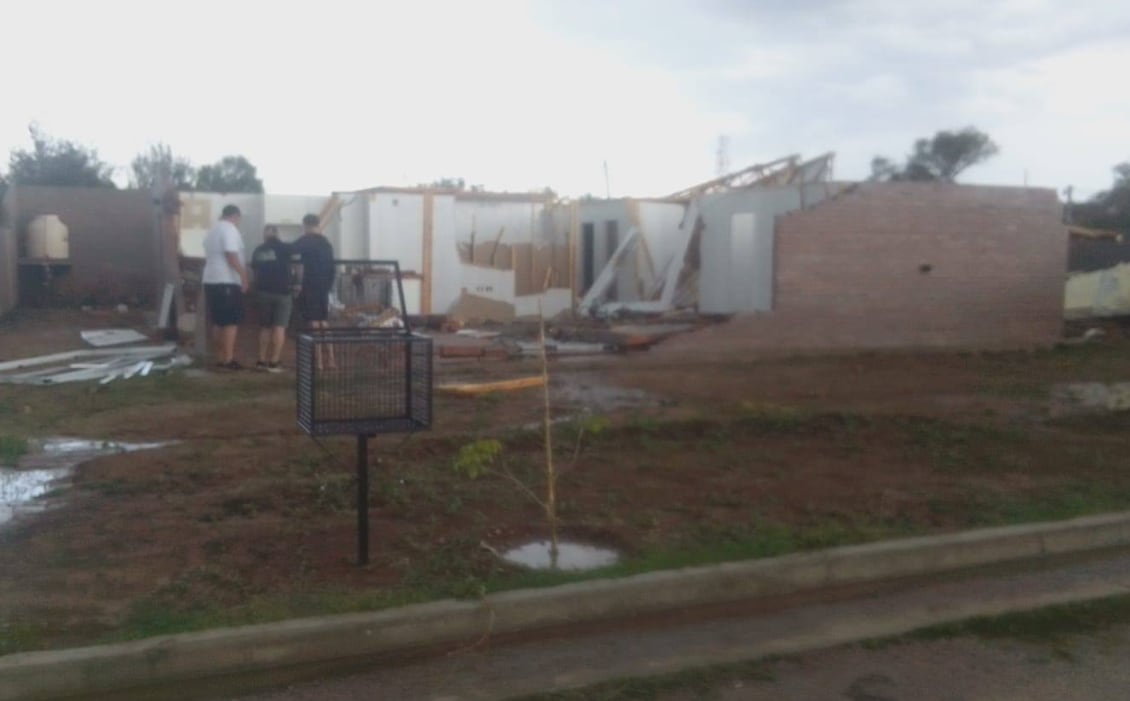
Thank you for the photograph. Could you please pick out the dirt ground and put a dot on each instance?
(247, 519)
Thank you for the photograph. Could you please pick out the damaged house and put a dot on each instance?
(795, 259)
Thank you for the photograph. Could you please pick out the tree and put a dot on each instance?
(57, 162)
(457, 184)
(152, 167)
(941, 158)
(1109, 209)
(229, 174)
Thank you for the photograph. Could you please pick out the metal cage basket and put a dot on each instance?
(365, 381)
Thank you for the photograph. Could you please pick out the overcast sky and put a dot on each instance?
(339, 95)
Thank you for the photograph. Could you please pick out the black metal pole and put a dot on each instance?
(362, 500)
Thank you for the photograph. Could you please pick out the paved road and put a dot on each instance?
(1083, 669)
(960, 670)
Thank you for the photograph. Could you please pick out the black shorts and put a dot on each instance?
(225, 304)
(314, 304)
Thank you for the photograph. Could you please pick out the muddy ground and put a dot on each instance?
(246, 519)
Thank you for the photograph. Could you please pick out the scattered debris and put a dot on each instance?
(387, 319)
(475, 333)
(670, 289)
(112, 337)
(476, 308)
(1091, 334)
(567, 348)
(104, 365)
(476, 389)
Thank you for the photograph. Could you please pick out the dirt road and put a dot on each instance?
(1082, 668)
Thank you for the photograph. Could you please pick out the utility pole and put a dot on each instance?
(607, 182)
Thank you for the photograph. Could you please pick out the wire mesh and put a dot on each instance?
(364, 382)
(366, 294)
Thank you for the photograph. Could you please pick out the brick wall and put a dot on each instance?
(912, 265)
(112, 245)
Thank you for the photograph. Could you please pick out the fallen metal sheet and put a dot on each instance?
(475, 333)
(61, 368)
(567, 348)
(66, 357)
(112, 337)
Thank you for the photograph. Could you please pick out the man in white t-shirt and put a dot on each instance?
(225, 280)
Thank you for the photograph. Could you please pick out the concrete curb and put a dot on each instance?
(171, 660)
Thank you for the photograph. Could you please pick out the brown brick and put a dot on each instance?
(847, 273)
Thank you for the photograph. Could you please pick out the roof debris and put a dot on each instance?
(103, 365)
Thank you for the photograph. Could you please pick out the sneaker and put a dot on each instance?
(234, 366)
(262, 367)
(274, 368)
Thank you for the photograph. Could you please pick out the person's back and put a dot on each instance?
(225, 280)
(270, 262)
(223, 238)
(317, 255)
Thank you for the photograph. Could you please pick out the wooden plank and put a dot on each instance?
(494, 250)
(477, 389)
(329, 210)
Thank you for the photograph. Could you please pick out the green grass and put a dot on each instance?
(12, 448)
(39, 410)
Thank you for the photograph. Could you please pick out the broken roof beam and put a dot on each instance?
(740, 178)
(815, 170)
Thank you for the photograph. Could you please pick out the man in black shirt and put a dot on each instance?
(270, 263)
(317, 255)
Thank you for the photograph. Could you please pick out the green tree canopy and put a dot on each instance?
(1109, 209)
(229, 175)
(453, 184)
(941, 158)
(53, 161)
(158, 164)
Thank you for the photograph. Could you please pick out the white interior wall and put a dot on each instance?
(517, 220)
(350, 233)
(447, 270)
(193, 230)
(396, 229)
(660, 224)
(288, 210)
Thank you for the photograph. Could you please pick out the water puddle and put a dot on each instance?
(1089, 398)
(47, 466)
(598, 396)
(570, 556)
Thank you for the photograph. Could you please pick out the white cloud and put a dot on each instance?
(341, 94)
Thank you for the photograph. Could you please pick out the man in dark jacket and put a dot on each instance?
(317, 255)
(270, 263)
